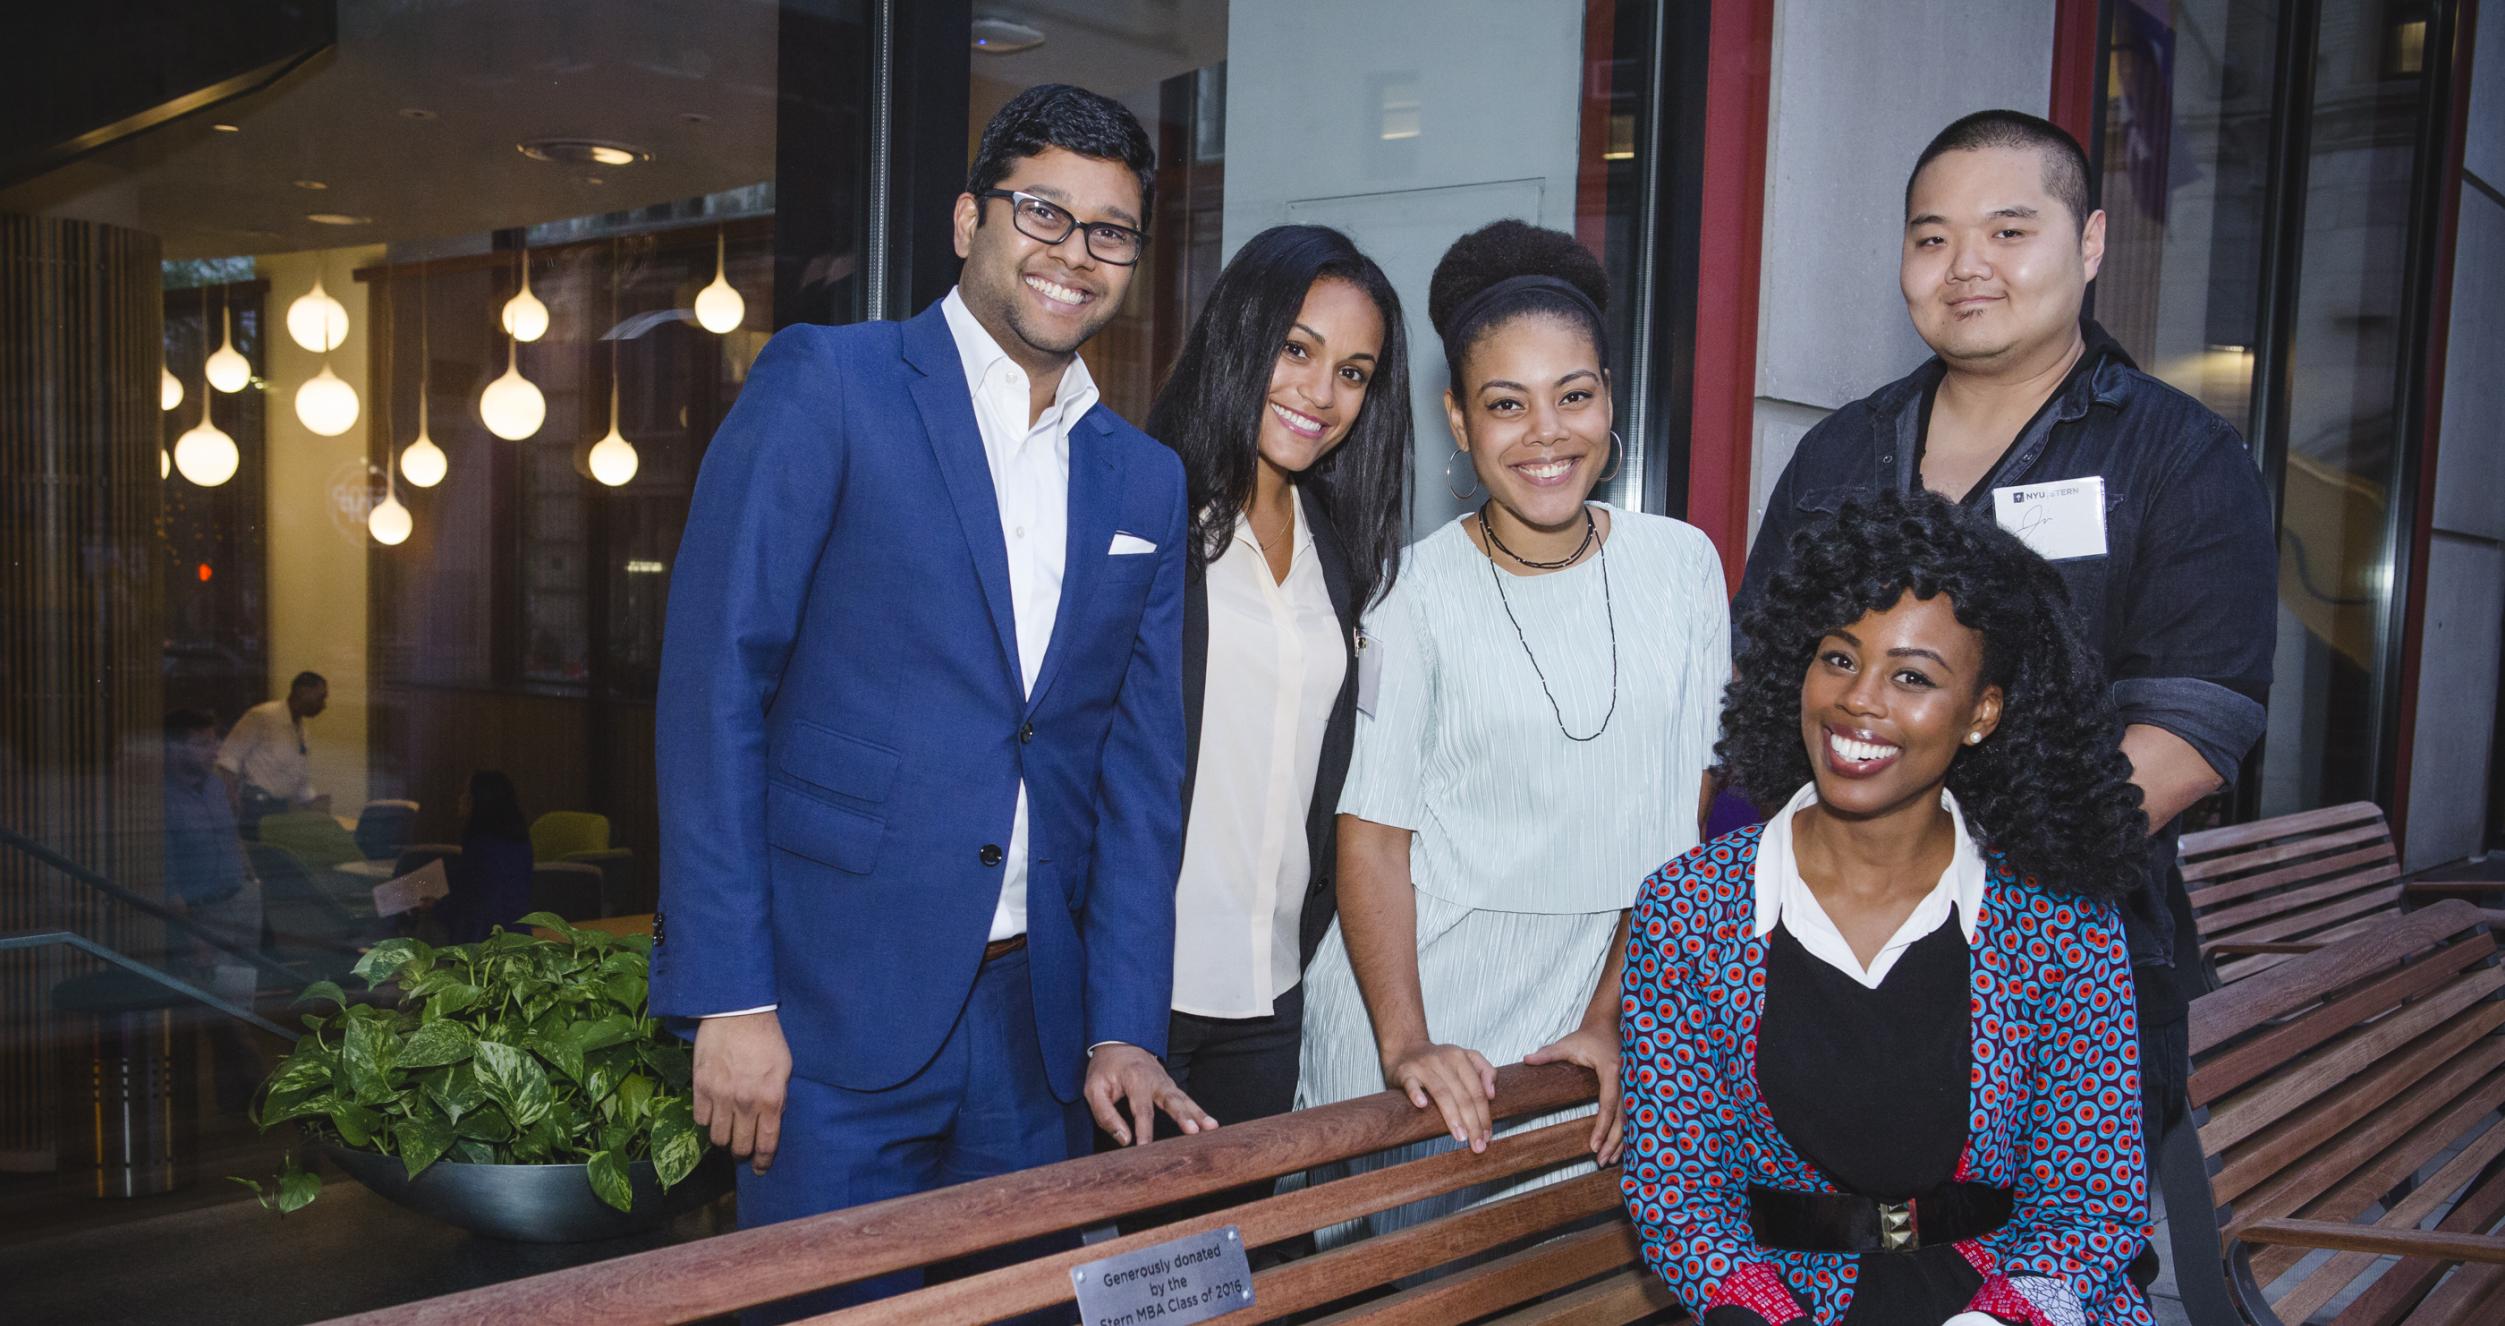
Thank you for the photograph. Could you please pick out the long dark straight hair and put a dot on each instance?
(495, 808)
(1210, 409)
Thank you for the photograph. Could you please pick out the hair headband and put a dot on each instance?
(1474, 309)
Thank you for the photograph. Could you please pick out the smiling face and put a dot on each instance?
(1042, 301)
(1994, 268)
(1888, 700)
(1319, 381)
(1536, 418)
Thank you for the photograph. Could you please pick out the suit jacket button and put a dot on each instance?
(1026, 733)
(991, 854)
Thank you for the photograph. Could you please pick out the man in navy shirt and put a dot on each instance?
(2146, 502)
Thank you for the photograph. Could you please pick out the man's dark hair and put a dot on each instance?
(307, 679)
(2051, 788)
(181, 723)
(1072, 119)
(2065, 165)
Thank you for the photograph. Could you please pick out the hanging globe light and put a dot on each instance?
(316, 321)
(423, 463)
(389, 522)
(525, 318)
(227, 369)
(169, 389)
(612, 459)
(205, 454)
(719, 309)
(326, 403)
(165, 462)
(511, 407)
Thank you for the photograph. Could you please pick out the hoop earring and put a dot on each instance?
(1617, 458)
(1458, 495)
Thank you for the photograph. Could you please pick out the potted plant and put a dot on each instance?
(517, 1087)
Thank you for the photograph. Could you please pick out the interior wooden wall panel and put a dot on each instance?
(80, 619)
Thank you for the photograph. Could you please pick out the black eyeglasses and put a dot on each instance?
(1047, 222)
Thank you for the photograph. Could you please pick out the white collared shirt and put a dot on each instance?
(1276, 667)
(1030, 465)
(1784, 898)
(266, 749)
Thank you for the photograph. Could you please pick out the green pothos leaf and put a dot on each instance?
(608, 1178)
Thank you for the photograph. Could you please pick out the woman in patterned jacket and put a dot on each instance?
(1880, 1059)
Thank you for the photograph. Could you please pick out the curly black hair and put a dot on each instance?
(1500, 250)
(2051, 788)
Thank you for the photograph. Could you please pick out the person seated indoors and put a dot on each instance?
(1881, 1058)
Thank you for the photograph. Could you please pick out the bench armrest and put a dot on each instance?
(2340, 1236)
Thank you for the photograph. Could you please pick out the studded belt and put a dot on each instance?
(1845, 1222)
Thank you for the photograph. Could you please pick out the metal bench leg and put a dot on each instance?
(2192, 1222)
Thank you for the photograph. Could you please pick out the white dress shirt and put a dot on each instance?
(1276, 664)
(1030, 466)
(1784, 898)
(266, 749)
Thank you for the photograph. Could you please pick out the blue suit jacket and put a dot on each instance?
(842, 728)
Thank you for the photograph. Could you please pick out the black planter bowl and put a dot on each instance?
(532, 1203)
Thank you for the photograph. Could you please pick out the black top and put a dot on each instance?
(1339, 738)
(1870, 1087)
(2181, 609)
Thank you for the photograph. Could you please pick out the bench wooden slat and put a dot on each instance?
(1631, 1295)
(2403, 1141)
(2298, 849)
(1353, 1268)
(2247, 1111)
(1508, 1281)
(2399, 1294)
(2208, 841)
(2227, 890)
(1044, 1281)
(2223, 1015)
(2475, 1296)
(2326, 1282)
(2341, 1236)
(2264, 1053)
(2366, 1111)
(710, 1277)
(2225, 921)
(2305, 922)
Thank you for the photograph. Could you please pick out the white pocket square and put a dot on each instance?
(1125, 545)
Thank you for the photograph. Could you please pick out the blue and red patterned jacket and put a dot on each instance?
(2054, 1103)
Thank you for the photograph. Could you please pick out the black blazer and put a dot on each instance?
(1338, 739)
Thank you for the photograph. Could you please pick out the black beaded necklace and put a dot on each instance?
(1591, 533)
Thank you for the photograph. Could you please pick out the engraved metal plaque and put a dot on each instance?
(1169, 1284)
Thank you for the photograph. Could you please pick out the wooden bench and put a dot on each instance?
(2347, 1103)
(1560, 1253)
(2264, 891)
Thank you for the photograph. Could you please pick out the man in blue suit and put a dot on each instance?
(920, 721)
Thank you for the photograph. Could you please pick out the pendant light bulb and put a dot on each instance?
(165, 462)
(169, 389)
(326, 403)
(389, 522)
(423, 463)
(525, 318)
(205, 454)
(719, 309)
(227, 369)
(512, 407)
(613, 460)
(316, 321)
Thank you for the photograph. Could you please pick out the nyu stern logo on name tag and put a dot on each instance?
(2059, 520)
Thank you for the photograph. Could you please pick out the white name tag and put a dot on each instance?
(1369, 671)
(2058, 520)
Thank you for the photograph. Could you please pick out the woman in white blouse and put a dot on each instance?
(1536, 719)
(1290, 408)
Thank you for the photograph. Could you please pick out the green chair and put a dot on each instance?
(559, 832)
(315, 838)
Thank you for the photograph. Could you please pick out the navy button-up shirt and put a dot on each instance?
(2182, 606)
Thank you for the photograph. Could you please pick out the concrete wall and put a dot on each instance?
(1858, 89)
(1405, 124)
(317, 540)
(2451, 797)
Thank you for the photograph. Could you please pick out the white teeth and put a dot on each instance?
(1295, 420)
(1547, 469)
(1059, 294)
(1859, 752)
